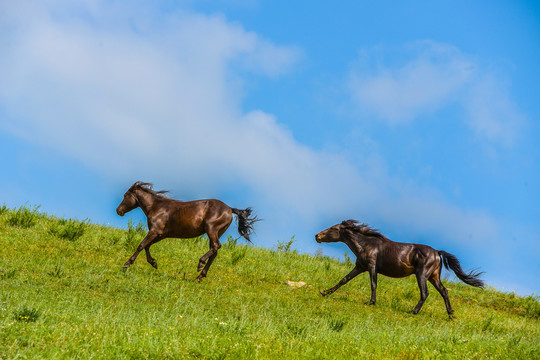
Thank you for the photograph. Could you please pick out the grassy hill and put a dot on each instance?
(63, 294)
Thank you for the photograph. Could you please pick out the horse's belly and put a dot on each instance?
(180, 230)
(396, 271)
(184, 225)
(185, 234)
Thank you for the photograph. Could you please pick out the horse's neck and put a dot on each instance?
(357, 244)
(354, 246)
(146, 201)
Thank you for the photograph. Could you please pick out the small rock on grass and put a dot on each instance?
(295, 284)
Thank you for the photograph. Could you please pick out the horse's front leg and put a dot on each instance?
(149, 257)
(151, 236)
(422, 284)
(373, 280)
(343, 281)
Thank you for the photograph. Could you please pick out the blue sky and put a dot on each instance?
(419, 118)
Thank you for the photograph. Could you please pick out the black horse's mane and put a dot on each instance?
(148, 187)
(362, 229)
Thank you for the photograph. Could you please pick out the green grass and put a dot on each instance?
(67, 297)
(23, 217)
(68, 229)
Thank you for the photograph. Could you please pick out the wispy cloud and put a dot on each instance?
(131, 92)
(491, 111)
(430, 77)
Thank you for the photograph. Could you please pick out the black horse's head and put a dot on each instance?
(335, 233)
(129, 202)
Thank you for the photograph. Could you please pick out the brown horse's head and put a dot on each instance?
(129, 202)
(332, 234)
(335, 233)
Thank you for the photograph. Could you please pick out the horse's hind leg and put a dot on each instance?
(422, 284)
(207, 266)
(208, 258)
(435, 279)
(213, 248)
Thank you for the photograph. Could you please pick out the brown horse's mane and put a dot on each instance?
(148, 188)
(363, 229)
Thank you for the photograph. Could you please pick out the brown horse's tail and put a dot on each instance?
(451, 263)
(245, 222)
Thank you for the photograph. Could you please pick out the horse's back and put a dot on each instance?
(207, 213)
(208, 207)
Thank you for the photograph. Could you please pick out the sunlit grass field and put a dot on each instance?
(64, 295)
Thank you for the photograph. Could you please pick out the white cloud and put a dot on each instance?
(432, 77)
(399, 94)
(491, 112)
(136, 95)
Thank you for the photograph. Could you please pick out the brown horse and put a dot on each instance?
(169, 218)
(377, 254)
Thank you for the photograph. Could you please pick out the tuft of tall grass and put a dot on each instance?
(134, 234)
(487, 323)
(296, 330)
(4, 275)
(231, 243)
(238, 253)
(56, 272)
(336, 324)
(24, 217)
(285, 246)
(532, 306)
(27, 314)
(347, 259)
(327, 262)
(69, 230)
(318, 253)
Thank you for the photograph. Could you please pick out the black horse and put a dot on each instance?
(169, 218)
(377, 254)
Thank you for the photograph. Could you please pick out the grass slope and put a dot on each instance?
(63, 294)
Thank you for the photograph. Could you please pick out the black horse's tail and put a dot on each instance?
(245, 222)
(451, 263)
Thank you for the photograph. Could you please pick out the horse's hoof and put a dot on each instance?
(369, 303)
(154, 264)
(324, 293)
(200, 277)
(126, 265)
(201, 266)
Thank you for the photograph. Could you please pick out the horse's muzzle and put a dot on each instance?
(120, 212)
(317, 239)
